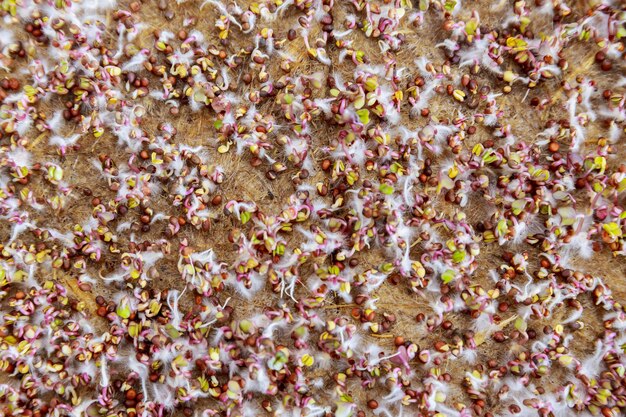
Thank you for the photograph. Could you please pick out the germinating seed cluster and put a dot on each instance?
(312, 208)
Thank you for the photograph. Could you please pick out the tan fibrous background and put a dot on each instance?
(242, 181)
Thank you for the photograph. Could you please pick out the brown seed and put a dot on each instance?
(372, 404)
(499, 337)
(441, 346)
(217, 200)
(131, 394)
(390, 317)
(398, 341)
(14, 84)
(270, 175)
(102, 311)
(606, 65)
(325, 164)
(360, 299)
(553, 147)
(473, 102)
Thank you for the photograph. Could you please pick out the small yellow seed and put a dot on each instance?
(565, 360)
(307, 360)
(509, 76)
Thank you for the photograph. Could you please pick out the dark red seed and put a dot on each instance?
(131, 394)
(499, 337)
(606, 65)
(600, 56)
